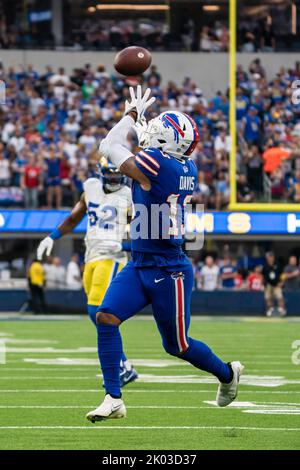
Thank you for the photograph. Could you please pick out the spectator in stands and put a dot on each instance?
(256, 68)
(223, 35)
(291, 274)
(153, 73)
(71, 127)
(55, 274)
(244, 193)
(294, 187)
(255, 280)
(202, 193)
(254, 167)
(31, 183)
(17, 141)
(87, 140)
(273, 286)
(48, 267)
(251, 126)
(228, 273)
(242, 103)
(277, 184)
(36, 281)
(60, 273)
(205, 40)
(239, 280)
(267, 39)
(222, 144)
(53, 178)
(248, 42)
(7, 130)
(5, 170)
(208, 277)
(59, 77)
(73, 274)
(222, 190)
(78, 178)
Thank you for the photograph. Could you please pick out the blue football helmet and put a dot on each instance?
(111, 177)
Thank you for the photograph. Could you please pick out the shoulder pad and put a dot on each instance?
(93, 189)
(91, 181)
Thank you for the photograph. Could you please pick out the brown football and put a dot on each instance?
(132, 60)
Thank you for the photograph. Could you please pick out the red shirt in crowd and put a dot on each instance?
(32, 176)
(238, 281)
(64, 169)
(255, 281)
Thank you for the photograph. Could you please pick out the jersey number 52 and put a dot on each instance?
(106, 217)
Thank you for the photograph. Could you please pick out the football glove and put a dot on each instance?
(138, 103)
(140, 127)
(45, 245)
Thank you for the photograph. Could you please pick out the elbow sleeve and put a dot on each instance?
(104, 148)
(113, 146)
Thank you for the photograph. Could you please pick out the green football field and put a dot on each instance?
(51, 379)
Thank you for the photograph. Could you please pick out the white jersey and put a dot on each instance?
(210, 275)
(107, 220)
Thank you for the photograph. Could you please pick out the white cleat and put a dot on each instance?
(111, 408)
(282, 312)
(269, 312)
(228, 392)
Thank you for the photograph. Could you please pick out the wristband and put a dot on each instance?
(55, 234)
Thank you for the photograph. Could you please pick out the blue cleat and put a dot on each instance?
(127, 376)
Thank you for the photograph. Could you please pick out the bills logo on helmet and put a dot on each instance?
(170, 120)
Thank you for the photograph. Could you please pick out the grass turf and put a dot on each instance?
(43, 405)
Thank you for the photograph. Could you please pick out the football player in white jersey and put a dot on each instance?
(107, 203)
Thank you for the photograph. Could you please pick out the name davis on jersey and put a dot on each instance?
(187, 183)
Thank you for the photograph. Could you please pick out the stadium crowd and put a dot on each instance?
(229, 273)
(255, 271)
(98, 33)
(210, 273)
(51, 124)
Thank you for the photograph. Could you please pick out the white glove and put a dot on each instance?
(140, 127)
(46, 245)
(138, 103)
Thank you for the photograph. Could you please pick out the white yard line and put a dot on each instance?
(38, 377)
(268, 392)
(66, 368)
(262, 407)
(138, 407)
(49, 368)
(53, 362)
(274, 411)
(212, 405)
(196, 428)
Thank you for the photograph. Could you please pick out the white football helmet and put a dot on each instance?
(172, 132)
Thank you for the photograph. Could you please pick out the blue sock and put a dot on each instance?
(92, 311)
(123, 358)
(202, 357)
(110, 353)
